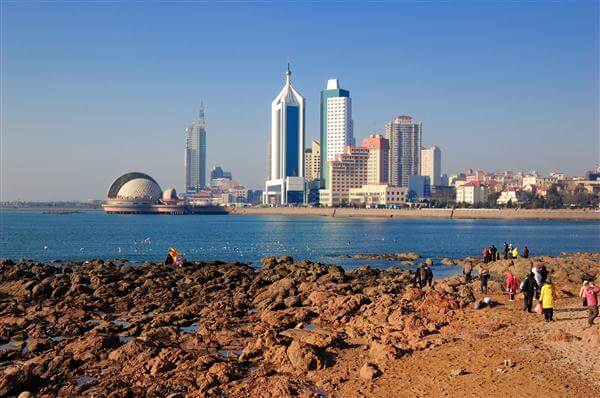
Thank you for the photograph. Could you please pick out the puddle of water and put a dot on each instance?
(230, 353)
(85, 380)
(93, 321)
(57, 338)
(8, 346)
(126, 339)
(122, 323)
(310, 326)
(320, 393)
(251, 311)
(193, 328)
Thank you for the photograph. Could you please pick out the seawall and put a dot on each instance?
(502, 214)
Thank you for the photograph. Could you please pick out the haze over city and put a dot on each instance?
(90, 91)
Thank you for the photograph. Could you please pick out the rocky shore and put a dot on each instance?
(107, 329)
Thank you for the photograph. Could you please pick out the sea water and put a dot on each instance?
(248, 238)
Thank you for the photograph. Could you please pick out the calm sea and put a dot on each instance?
(246, 238)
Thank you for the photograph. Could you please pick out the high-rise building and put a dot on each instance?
(379, 152)
(431, 164)
(286, 183)
(337, 129)
(312, 161)
(349, 170)
(195, 154)
(405, 149)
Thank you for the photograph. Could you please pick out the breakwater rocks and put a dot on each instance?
(204, 329)
(222, 329)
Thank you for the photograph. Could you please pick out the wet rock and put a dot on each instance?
(369, 371)
(35, 345)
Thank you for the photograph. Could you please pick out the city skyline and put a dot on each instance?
(76, 116)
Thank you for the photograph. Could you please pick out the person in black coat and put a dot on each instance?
(528, 287)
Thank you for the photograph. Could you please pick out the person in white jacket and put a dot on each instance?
(538, 278)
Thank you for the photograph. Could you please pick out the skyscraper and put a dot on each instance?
(431, 164)
(405, 149)
(379, 153)
(312, 161)
(195, 154)
(287, 146)
(337, 130)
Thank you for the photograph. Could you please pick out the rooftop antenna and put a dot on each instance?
(288, 73)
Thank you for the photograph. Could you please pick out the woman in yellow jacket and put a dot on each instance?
(547, 296)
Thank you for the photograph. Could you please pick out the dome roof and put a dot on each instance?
(169, 195)
(140, 188)
(151, 186)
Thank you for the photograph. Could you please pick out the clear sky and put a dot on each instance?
(93, 90)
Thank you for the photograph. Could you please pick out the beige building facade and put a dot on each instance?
(378, 196)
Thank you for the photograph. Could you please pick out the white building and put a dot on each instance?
(472, 192)
(286, 183)
(337, 130)
(511, 195)
(195, 154)
(378, 196)
(431, 164)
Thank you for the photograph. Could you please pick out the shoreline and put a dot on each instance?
(293, 328)
(459, 214)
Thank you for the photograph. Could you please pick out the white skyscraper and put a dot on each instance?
(195, 154)
(286, 184)
(431, 164)
(337, 130)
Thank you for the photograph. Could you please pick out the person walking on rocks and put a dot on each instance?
(505, 251)
(515, 252)
(484, 277)
(493, 252)
(528, 287)
(485, 254)
(543, 273)
(428, 276)
(591, 295)
(467, 269)
(417, 282)
(423, 274)
(582, 293)
(525, 252)
(547, 297)
(538, 279)
(511, 285)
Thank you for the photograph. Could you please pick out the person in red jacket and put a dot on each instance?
(512, 284)
(591, 296)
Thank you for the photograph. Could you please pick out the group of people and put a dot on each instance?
(491, 253)
(484, 276)
(423, 276)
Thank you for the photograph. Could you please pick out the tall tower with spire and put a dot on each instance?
(195, 153)
(287, 145)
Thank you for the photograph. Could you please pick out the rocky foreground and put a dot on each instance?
(226, 329)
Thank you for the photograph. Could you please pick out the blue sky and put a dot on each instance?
(93, 90)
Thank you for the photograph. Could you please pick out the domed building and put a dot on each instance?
(170, 196)
(138, 193)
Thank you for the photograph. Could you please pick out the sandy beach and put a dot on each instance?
(287, 329)
(505, 214)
